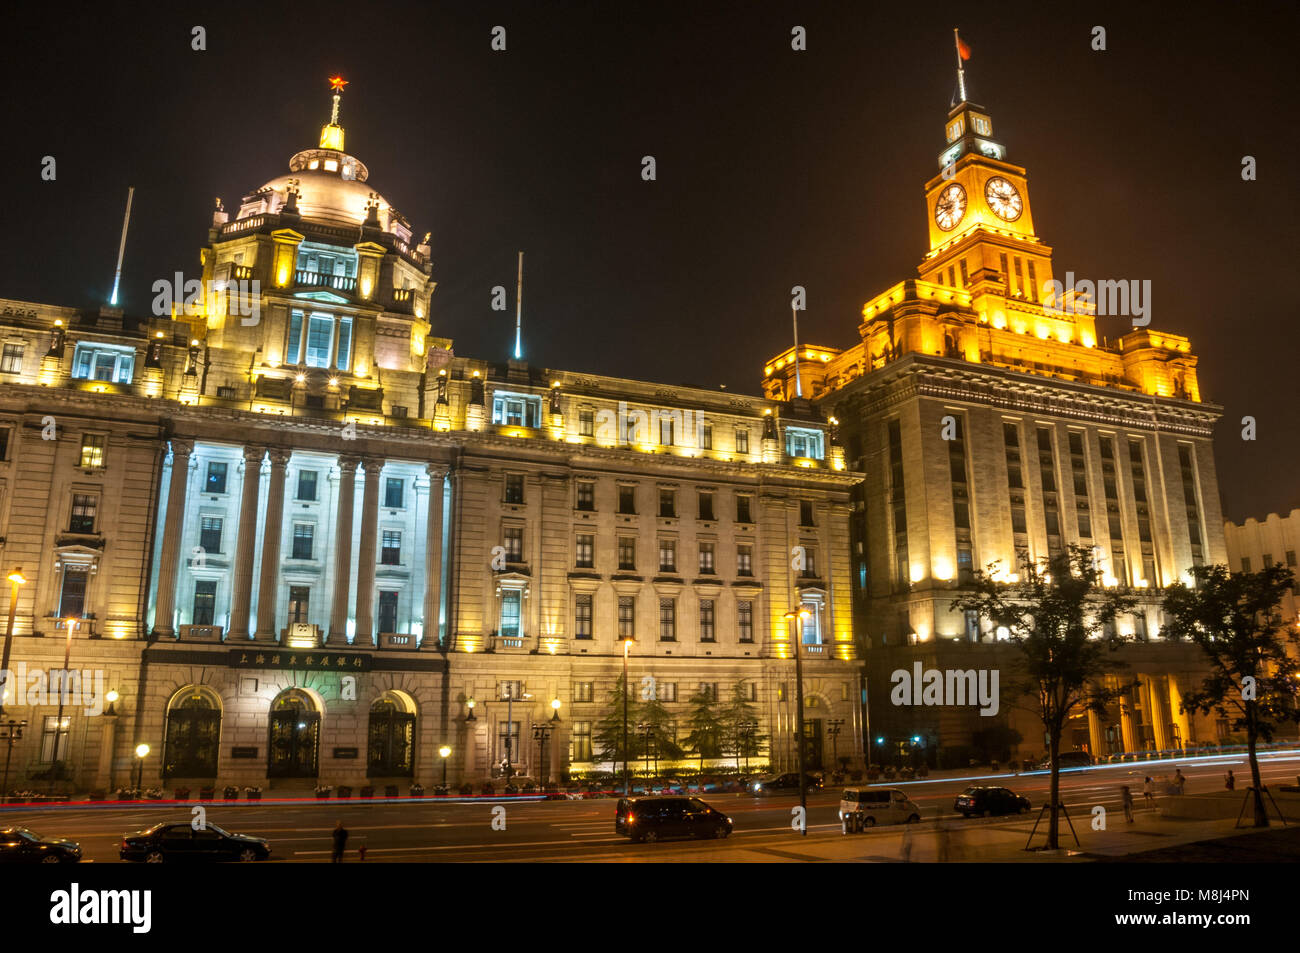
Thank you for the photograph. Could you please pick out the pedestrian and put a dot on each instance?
(1180, 780)
(1229, 781)
(340, 843)
(1127, 797)
(1148, 791)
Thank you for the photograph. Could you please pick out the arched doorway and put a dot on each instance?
(391, 749)
(193, 734)
(294, 748)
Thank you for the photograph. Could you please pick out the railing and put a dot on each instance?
(317, 280)
(201, 633)
(249, 224)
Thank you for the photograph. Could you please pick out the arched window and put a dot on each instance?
(391, 750)
(193, 734)
(294, 748)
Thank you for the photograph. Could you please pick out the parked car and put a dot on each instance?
(655, 818)
(1067, 759)
(879, 806)
(180, 843)
(18, 845)
(990, 800)
(783, 784)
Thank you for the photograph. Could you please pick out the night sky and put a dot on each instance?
(775, 167)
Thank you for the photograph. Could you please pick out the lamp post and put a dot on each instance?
(56, 770)
(539, 735)
(11, 731)
(745, 735)
(16, 579)
(793, 618)
(444, 752)
(141, 752)
(646, 731)
(627, 772)
(833, 727)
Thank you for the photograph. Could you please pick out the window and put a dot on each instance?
(516, 410)
(293, 347)
(667, 620)
(803, 443)
(103, 362)
(514, 487)
(809, 563)
(388, 611)
(709, 690)
(303, 534)
(706, 437)
(72, 597)
(306, 485)
(394, 492)
(744, 560)
(743, 502)
(582, 617)
(627, 553)
(706, 621)
(667, 555)
(812, 627)
(668, 504)
(1245, 564)
(581, 741)
(627, 500)
(806, 513)
(205, 601)
(320, 331)
(83, 513)
(390, 553)
(210, 534)
(745, 620)
(586, 423)
(706, 559)
(11, 361)
(299, 603)
(514, 544)
(706, 505)
(93, 446)
(627, 617)
(742, 440)
(666, 432)
(584, 550)
(510, 614)
(667, 691)
(344, 360)
(584, 691)
(965, 278)
(216, 481)
(1033, 281)
(586, 496)
(54, 738)
(5, 434)
(1267, 561)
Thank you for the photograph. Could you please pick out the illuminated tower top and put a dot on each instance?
(331, 135)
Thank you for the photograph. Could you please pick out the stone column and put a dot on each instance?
(107, 741)
(1181, 718)
(1156, 697)
(365, 614)
(241, 592)
(173, 527)
(1096, 735)
(433, 556)
(338, 634)
(1126, 721)
(273, 530)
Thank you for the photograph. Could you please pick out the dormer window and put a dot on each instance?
(331, 165)
(516, 410)
(103, 362)
(981, 125)
(319, 340)
(800, 442)
(955, 129)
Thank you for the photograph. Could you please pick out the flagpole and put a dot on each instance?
(961, 73)
(798, 384)
(519, 310)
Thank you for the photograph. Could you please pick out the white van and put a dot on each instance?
(879, 806)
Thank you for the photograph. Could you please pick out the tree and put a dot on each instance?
(1233, 617)
(706, 728)
(662, 730)
(740, 711)
(609, 734)
(1060, 617)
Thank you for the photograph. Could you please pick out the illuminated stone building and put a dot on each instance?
(305, 543)
(994, 425)
(1255, 544)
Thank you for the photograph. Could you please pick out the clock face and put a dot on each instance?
(950, 207)
(1003, 199)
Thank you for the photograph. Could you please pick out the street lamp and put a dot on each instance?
(540, 732)
(443, 753)
(10, 731)
(627, 772)
(56, 770)
(16, 579)
(794, 618)
(833, 727)
(555, 709)
(646, 731)
(745, 735)
(141, 752)
(469, 703)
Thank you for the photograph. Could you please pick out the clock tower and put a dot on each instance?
(981, 225)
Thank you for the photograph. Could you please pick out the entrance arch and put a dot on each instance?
(391, 737)
(294, 747)
(193, 733)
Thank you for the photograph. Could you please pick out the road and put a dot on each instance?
(428, 830)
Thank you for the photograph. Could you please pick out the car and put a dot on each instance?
(655, 818)
(874, 806)
(180, 843)
(18, 845)
(787, 783)
(1068, 759)
(989, 800)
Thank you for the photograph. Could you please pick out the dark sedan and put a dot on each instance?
(18, 845)
(656, 818)
(989, 800)
(180, 843)
(787, 783)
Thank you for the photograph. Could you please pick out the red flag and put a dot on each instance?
(963, 50)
